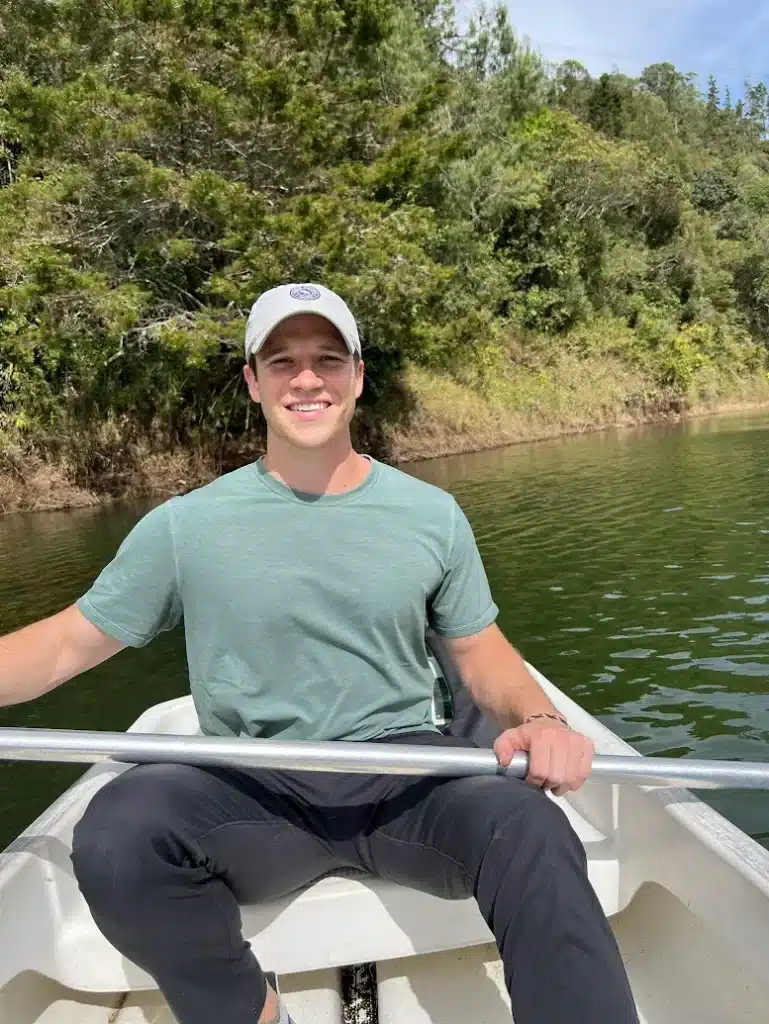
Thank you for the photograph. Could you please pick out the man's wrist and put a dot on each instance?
(555, 716)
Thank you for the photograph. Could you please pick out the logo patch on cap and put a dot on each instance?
(305, 293)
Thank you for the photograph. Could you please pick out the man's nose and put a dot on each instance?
(307, 378)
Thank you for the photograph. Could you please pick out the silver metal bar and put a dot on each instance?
(64, 745)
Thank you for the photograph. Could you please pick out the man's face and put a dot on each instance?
(306, 381)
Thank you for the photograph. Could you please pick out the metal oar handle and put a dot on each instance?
(65, 745)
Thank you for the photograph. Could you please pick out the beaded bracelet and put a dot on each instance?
(545, 714)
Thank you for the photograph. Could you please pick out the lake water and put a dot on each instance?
(632, 568)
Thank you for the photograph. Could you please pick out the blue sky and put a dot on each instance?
(727, 37)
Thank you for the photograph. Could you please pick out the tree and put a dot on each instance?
(607, 107)
(675, 89)
(757, 107)
(162, 162)
(713, 98)
(572, 87)
(713, 119)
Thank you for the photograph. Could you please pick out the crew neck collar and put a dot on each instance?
(308, 498)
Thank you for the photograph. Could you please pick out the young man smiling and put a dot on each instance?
(306, 582)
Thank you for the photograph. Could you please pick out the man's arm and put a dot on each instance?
(462, 614)
(41, 656)
(497, 677)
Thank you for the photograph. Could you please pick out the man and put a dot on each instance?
(306, 582)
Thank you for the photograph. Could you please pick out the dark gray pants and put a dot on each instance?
(164, 855)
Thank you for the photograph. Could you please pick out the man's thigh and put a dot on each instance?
(247, 830)
(435, 834)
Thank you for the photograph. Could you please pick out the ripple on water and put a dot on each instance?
(665, 526)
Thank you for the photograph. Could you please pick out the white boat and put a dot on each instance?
(687, 894)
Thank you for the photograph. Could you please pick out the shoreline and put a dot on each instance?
(659, 419)
(49, 490)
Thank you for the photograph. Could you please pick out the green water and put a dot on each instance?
(632, 568)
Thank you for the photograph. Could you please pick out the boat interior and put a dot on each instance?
(687, 895)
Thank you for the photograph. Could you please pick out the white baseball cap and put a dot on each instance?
(278, 304)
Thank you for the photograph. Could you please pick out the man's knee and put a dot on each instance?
(541, 828)
(516, 814)
(118, 843)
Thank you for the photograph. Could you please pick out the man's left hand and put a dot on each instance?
(559, 758)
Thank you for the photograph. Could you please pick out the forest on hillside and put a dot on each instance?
(163, 161)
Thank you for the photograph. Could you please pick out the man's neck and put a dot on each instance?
(327, 471)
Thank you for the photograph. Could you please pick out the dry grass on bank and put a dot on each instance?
(96, 468)
(574, 396)
(30, 483)
(453, 418)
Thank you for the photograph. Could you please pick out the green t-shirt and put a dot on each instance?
(304, 615)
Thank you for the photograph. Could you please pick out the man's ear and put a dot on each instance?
(359, 379)
(251, 383)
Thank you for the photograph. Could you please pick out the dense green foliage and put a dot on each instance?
(163, 161)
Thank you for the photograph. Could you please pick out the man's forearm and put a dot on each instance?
(497, 677)
(41, 656)
(32, 661)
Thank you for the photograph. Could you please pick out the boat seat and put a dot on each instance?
(365, 920)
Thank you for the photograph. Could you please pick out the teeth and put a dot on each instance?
(308, 406)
